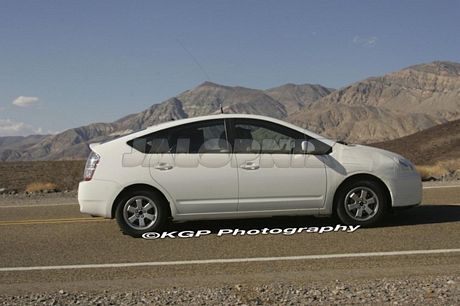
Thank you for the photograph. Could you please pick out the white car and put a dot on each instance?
(239, 166)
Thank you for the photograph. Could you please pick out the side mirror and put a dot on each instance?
(308, 147)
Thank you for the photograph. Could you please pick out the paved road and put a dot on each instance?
(58, 235)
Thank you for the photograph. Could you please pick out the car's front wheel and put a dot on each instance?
(362, 203)
(139, 212)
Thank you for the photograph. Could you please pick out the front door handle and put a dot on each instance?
(163, 166)
(250, 166)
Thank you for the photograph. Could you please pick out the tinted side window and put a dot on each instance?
(256, 136)
(201, 137)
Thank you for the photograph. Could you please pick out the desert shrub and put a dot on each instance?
(38, 186)
(438, 170)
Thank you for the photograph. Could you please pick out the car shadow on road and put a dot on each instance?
(425, 214)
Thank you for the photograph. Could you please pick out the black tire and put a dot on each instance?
(357, 196)
(135, 228)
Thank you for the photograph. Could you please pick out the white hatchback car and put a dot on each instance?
(239, 166)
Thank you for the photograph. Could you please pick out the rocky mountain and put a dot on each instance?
(204, 99)
(387, 107)
(438, 143)
(11, 147)
(294, 97)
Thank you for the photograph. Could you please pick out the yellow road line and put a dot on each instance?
(38, 205)
(52, 221)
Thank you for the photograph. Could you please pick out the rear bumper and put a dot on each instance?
(96, 197)
(406, 189)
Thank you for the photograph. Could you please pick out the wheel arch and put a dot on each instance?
(138, 187)
(361, 176)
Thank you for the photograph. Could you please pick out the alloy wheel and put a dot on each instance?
(361, 203)
(140, 212)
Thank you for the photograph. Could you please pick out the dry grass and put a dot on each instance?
(439, 169)
(432, 171)
(36, 187)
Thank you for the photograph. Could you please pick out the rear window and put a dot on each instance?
(201, 137)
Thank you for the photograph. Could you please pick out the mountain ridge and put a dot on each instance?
(415, 94)
(375, 109)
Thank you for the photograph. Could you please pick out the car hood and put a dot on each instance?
(356, 158)
(363, 149)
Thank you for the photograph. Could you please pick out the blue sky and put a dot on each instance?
(70, 63)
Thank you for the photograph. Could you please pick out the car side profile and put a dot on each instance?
(240, 166)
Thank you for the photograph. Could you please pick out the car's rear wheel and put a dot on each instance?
(361, 203)
(139, 212)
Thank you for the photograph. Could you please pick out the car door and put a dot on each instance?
(273, 171)
(192, 162)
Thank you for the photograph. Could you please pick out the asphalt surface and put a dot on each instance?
(58, 235)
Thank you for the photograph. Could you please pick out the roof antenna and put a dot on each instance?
(206, 75)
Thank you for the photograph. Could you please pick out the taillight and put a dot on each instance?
(90, 166)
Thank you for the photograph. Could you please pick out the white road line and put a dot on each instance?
(229, 260)
(437, 187)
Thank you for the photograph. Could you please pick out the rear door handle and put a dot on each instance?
(250, 166)
(163, 166)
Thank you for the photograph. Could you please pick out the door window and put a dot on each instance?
(256, 136)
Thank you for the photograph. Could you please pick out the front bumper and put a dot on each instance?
(96, 197)
(406, 189)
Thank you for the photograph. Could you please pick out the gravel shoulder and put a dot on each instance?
(436, 290)
(23, 199)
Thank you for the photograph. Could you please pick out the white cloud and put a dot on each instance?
(369, 41)
(23, 101)
(10, 127)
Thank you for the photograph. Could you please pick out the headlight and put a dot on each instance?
(404, 164)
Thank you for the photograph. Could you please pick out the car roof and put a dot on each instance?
(177, 122)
